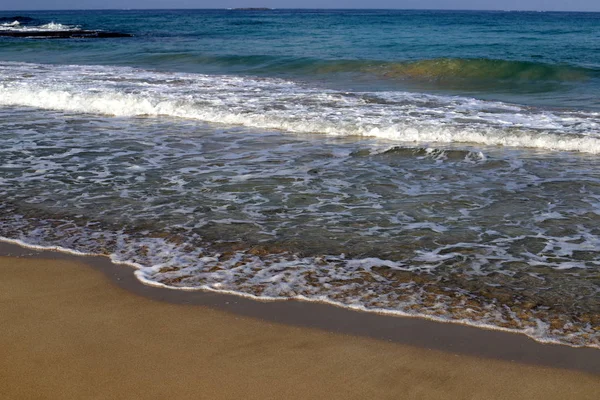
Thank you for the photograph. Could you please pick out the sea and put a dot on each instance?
(433, 164)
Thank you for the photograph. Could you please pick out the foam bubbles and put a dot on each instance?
(51, 26)
(119, 162)
(277, 104)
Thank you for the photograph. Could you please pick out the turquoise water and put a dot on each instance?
(512, 56)
(427, 163)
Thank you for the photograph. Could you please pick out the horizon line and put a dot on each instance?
(295, 8)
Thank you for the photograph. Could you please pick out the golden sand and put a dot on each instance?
(67, 332)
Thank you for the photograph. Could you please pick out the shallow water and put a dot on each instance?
(376, 179)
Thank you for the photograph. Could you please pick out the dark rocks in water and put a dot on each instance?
(73, 34)
(24, 27)
(253, 9)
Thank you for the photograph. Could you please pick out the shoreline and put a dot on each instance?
(407, 331)
(383, 312)
(68, 332)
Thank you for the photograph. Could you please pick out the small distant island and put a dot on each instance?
(252, 9)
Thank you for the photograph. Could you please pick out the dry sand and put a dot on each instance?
(68, 332)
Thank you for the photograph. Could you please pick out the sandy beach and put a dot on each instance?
(299, 203)
(69, 331)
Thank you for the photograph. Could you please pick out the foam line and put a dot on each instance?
(140, 275)
(281, 105)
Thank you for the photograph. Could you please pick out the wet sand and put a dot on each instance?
(70, 329)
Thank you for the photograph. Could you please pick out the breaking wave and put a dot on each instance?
(439, 70)
(283, 105)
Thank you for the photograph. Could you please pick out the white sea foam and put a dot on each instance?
(10, 24)
(282, 105)
(51, 26)
(147, 275)
(176, 197)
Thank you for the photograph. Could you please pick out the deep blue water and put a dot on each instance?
(511, 56)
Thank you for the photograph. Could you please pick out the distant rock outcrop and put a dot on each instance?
(28, 27)
(71, 34)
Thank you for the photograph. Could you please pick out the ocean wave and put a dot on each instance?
(439, 70)
(469, 234)
(284, 105)
(450, 69)
(10, 24)
(481, 69)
